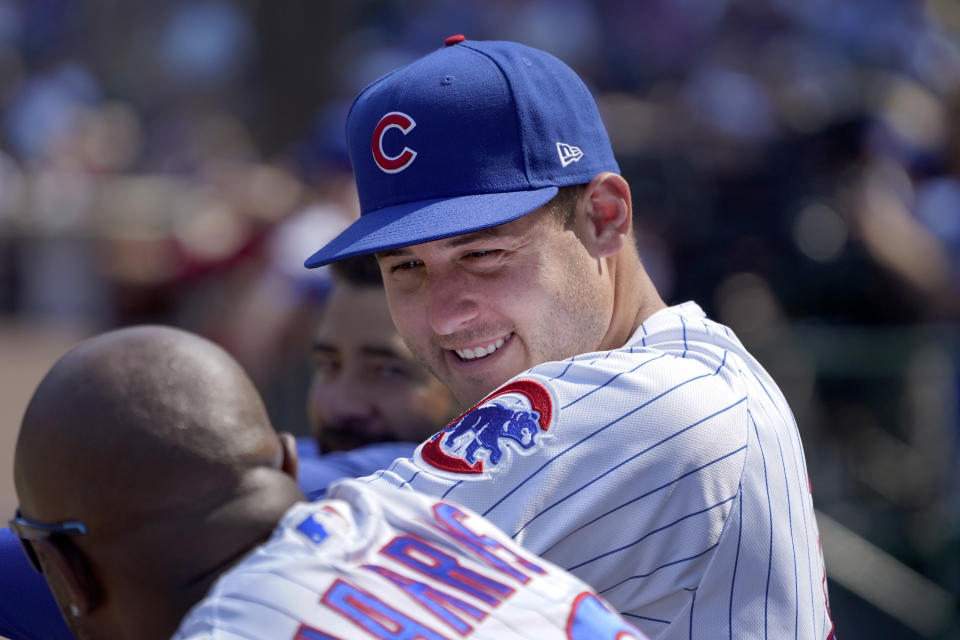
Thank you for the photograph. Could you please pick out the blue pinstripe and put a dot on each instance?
(796, 577)
(766, 484)
(605, 356)
(803, 511)
(693, 602)
(452, 487)
(663, 566)
(650, 533)
(640, 617)
(592, 391)
(683, 323)
(736, 562)
(642, 496)
(633, 457)
(591, 435)
(562, 373)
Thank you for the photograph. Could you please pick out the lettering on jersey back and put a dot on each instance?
(445, 579)
(590, 619)
(441, 604)
(375, 616)
(497, 556)
(442, 567)
(306, 632)
(515, 417)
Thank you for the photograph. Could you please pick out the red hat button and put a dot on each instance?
(452, 40)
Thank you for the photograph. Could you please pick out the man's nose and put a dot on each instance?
(345, 401)
(452, 302)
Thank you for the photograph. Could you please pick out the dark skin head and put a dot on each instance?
(159, 443)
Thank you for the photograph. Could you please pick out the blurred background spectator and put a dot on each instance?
(796, 170)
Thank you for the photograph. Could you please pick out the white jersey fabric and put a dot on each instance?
(376, 562)
(668, 474)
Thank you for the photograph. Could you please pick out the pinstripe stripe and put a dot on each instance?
(591, 435)
(736, 562)
(610, 380)
(766, 483)
(683, 324)
(637, 455)
(605, 356)
(693, 602)
(803, 482)
(650, 533)
(663, 566)
(452, 487)
(561, 374)
(793, 545)
(647, 618)
(642, 496)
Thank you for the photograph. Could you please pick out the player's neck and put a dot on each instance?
(635, 299)
(181, 568)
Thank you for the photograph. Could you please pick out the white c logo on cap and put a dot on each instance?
(392, 164)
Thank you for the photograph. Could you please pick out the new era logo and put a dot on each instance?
(568, 153)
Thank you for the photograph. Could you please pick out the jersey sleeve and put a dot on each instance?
(621, 467)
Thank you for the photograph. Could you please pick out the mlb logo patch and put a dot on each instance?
(513, 420)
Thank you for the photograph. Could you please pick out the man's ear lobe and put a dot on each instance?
(291, 462)
(70, 577)
(605, 214)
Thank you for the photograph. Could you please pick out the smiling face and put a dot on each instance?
(366, 386)
(479, 308)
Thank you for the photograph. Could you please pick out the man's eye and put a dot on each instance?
(392, 371)
(405, 266)
(485, 253)
(324, 366)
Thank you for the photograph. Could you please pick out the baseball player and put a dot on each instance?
(158, 500)
(636, 444)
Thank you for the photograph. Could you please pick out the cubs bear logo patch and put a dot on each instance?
(514, 418)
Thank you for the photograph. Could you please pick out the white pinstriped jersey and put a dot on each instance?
(668, 474)
(375, 562)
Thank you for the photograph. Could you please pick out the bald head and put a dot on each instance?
(159, 443)
(145, 412)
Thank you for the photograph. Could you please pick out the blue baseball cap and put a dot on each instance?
(470, 136)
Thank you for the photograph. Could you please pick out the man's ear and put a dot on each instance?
(291, 462)
(71, 580)
(604, 214)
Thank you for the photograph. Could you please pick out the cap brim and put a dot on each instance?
(417, 222)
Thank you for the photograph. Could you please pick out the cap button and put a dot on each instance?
(452, 40)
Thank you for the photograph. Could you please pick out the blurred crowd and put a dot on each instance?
(795, 165)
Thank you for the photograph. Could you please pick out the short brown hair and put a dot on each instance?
(564, 204)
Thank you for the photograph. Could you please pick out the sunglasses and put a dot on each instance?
(31, 532)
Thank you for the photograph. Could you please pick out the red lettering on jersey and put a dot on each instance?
(375, 616)
(306, 632)
(450, 520)
(440, 604)
(434, 563)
